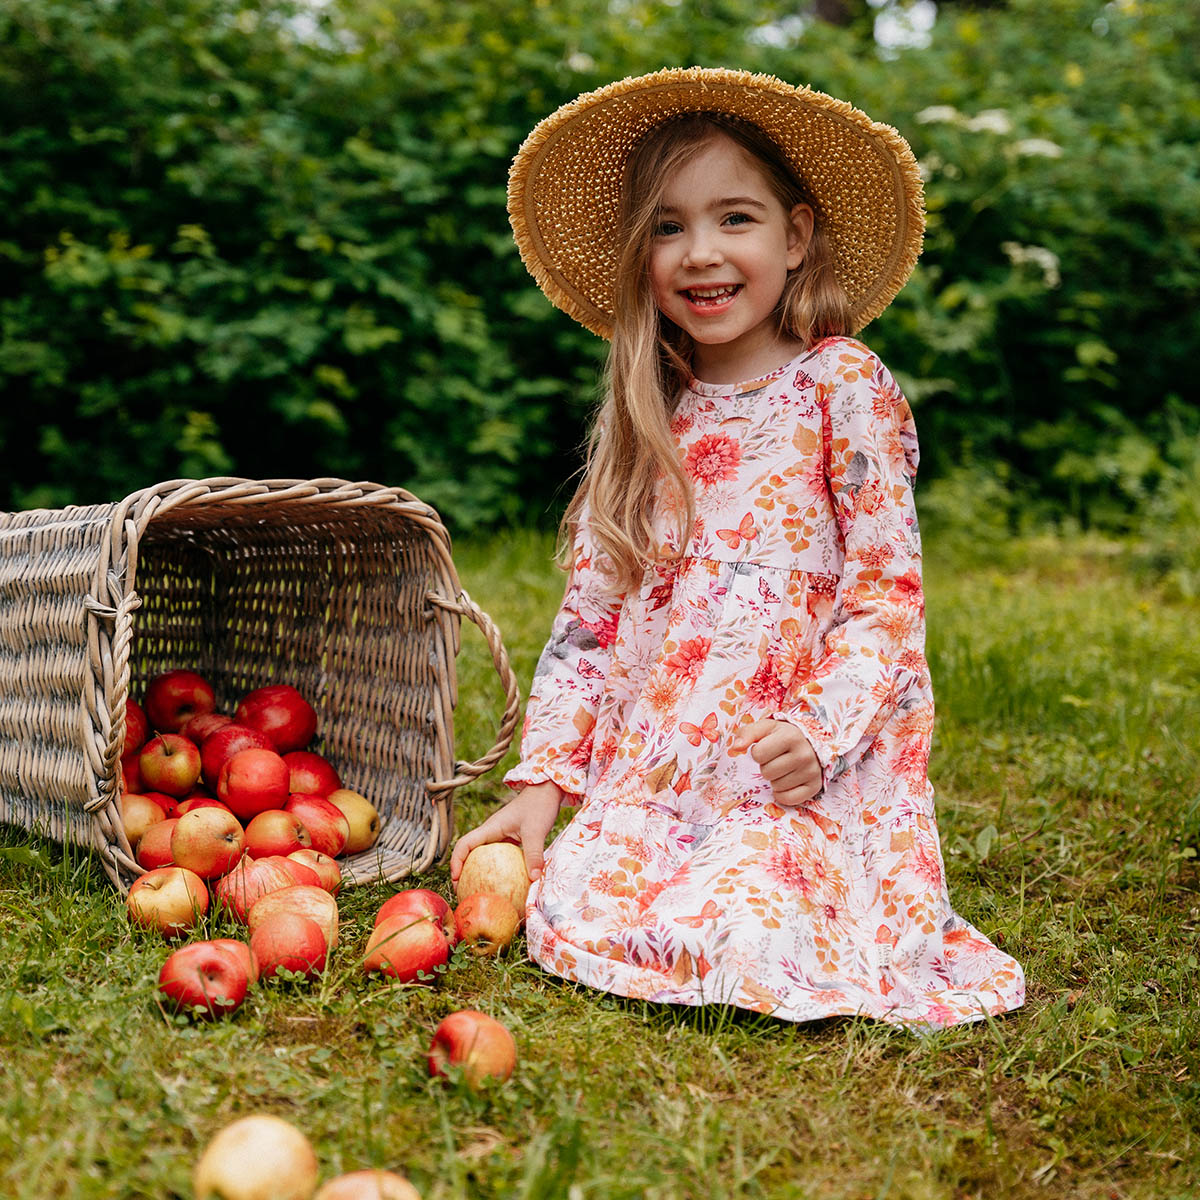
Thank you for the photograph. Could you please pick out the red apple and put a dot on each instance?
(243, 953)
(327, 828)
(170, 763)
(367, 1185)
(496, 867)
(169, 899)
(138, 814)
(328, 873)
(275, 832)
(253, 781)
(486, 922)
(289, 940)
(174, 697)
(190, 802)
(224, 744)
(256, 1158)
(207, 841)
(204, 979)
(137, 728)
(154, 849)
(405, 946)
(131, 773)
(312, 902)
(202, 724)
(300, 872)
(420, 902)
(280, 712)
(311, 773)
(361, 816)
(246, 882)
(477, 1043)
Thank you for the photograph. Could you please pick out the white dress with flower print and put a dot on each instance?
(798, 599)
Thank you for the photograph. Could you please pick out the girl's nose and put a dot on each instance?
(702, 250)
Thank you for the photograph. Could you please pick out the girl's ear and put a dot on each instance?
(800, 231)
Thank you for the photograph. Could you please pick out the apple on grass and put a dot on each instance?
(486, 922)
(207, 841)
(362, 817)
(138, 814)
(224, 744)
(300, 872)
(368, 1185)
(154, 846)
(289, 941)
(249, 880)
(205, 979)
(312, 902)
(169, 899)
(174, 697)
(253, 781)
(496, 867)
(477, 1043)
(275, 831)
(406, 947)
(282, 713)
(137, 729)
(260, 1157)
(170, 763)
(327, 828)
(311, 773)
(244, 955)
(328, 873)
(420, 902)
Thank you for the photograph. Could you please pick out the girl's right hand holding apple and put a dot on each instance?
(526, 819)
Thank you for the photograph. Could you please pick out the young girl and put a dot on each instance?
(735, 691)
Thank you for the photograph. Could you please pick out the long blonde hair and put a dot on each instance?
(632, 462)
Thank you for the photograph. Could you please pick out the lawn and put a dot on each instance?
(1067, 767)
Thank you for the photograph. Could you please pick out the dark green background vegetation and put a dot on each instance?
(250, 237)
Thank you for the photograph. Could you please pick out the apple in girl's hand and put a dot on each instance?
(300, 872)
(280, 712)
(311, 773)
(405, 946)
(206, 977)
(137, 728)
(275, 832)
(420, 902)
(328, 873)
(312, 902)
(170, 763)
(207, 841)
(477, 1043)
(496, 867)
(169, 899)
(242, 953)
(486, 922)
(250, 879)
(174, 697)
(362, 817)
(138, 814)
(201, 725)
(327, 828)
(289, 940)
(259, 1157)
(253, 781)
(224, 744)
(154, 848)
(368, 1185)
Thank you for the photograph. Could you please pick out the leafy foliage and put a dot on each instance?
(267, 238)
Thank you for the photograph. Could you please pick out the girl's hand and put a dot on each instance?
(788, 761)
(526, 819)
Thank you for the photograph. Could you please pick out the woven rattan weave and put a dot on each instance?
(345, 590)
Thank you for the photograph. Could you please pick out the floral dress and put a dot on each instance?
(798, 599)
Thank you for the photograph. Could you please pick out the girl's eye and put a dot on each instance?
(666, 228)
(737, 218)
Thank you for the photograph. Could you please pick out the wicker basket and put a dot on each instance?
(346, 590)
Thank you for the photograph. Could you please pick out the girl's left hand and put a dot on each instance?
(787, 760)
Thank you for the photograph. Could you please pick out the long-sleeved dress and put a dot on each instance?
(798, 598)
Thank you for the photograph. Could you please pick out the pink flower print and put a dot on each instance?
(786, 866)
(765, 689)
(713, 458)
(688, 661)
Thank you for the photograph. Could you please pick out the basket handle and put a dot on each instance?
(467, 771)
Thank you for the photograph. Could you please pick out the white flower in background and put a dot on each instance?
(1036, 256)
(1037, 148)
(579, 61)
(939, 114)
(990, 120)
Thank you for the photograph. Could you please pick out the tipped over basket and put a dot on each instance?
(345, 590)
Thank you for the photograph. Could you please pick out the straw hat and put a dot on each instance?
(564, 186)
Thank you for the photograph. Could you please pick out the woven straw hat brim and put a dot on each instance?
(565, 182)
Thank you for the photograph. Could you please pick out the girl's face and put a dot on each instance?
(719, 257)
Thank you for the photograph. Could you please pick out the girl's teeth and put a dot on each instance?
(709, 295)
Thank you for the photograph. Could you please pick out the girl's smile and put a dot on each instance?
(719, 260)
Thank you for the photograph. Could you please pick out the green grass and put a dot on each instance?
(1068, 778)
